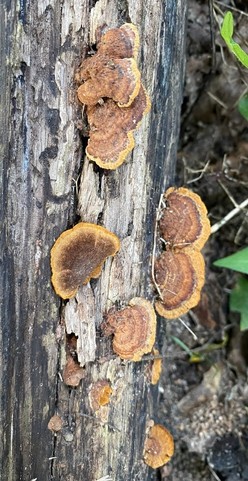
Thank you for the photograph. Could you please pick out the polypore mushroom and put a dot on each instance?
(105, 77)
(120, 42)
(134, 329)
(159, 446)
(78, 255)
(99, 394)
(184, 220)
(180, 277)
(111, 130)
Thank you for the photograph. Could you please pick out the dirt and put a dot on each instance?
(204, 396)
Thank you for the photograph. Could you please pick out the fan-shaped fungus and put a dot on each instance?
(120, 42)
(105, 77)
(78, 255)
(159, 446)
(99, 394)
(184, 220)
(180, 277)
(111, 130)
(134, 329)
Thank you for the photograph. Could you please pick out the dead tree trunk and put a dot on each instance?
(42, 43)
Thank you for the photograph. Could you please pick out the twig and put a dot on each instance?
(231, 8)
(154, 245)
(105, 478)
(190, 330)
(229, 216)
(212, 96)
(213, 47)
(99, 421)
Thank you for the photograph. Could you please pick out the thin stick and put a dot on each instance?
(154, 245)
(99, 421)
(105, 478)
(228, 194)
(212, 96)
(229, 216)
(231, 8)
(190, 330)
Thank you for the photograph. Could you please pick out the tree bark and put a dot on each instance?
(46, 185)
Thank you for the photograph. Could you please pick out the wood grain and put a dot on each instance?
(42, 44)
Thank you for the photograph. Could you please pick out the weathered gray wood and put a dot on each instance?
(42, 43)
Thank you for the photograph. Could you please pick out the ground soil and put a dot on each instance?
(205, 403)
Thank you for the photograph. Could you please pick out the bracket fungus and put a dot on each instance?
(115, 98)
(78, 255)
(159, 446)
(134, 329)
(184, 220)
(99, 394)
(105, 77)
(180, 277)
(179, 272)
(111, 130)
(120, 42)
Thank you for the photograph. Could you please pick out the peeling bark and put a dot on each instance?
(42, 44)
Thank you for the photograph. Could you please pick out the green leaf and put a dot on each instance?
(236, 262)
(244, 321)
(239, 301)
(226, 32)
(240, 54)
(227, 28)
(243, 106)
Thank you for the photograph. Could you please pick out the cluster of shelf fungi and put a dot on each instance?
(110, 87)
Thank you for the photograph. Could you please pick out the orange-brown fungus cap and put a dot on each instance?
(73, 372)
(105, 77)
(78, 255)
(180, 278)
(159, 446)
(100, 393)
(55, 424)
(134, 329)
(120, 42)
(184, 220)
(156, 368)
(111, 130)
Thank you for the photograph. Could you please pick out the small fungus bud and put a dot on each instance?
(99, 394)
(134, 329)
(73, 372)
(55, 424)
(78, 255)
(159, 446)
(156, 368)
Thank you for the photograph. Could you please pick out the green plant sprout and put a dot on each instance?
(200, 353)
(226, 31)
(239, 294)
